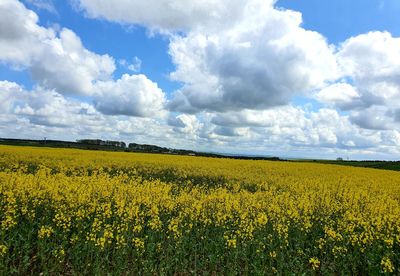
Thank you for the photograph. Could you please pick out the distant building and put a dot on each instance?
(339, 159)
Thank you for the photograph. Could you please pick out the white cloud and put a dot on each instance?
(260, 63)
(172, 15)
(371, 62)
(376, 117)
(373, 55)
(342, 95)
(43, 112)
(184, 123)
(40, 112)
(43, 107)
(65, 65)
(286, 130)
(132, 95)
(58, 61)
(9, 93)
(20, 34)
(287, 116)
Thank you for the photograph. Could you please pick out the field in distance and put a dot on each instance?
(72, 211)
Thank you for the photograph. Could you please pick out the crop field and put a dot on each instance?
(75, 212)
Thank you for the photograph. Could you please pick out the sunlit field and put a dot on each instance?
(92, 212)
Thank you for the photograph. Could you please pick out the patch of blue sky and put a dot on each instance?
(340, 19)
(20, 76)
(306, 103)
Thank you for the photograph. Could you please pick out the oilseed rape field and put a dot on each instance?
(65, 211)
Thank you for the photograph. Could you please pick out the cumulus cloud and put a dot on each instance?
(132, 95)
(287, 129)
(41, 112)
(19, 33)
(371, 63)
(41, 106)
(341, 94)
(264, 57)
(260, 63)
(285, 116)
(9, 93)
(293, 128)
(185, 123)
(231, 55)
(167, 15)
(376, 117)
(67, 66)
(372, 55)
(57, 60)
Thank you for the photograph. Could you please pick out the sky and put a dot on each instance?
(288, 78)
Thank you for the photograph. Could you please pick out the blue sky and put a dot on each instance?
(240, 76)
(341, 19)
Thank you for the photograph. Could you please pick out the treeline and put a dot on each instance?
(374, 164)
(108, 145)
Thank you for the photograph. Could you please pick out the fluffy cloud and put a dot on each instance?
(295, 129)
(9, 93)
(41, 112)
(371, 62)
(287, 116)
(58, 61)
(372, 55)
(342, 95)
(172, 15)
(263, 58)
(19, 33)
(67, 66)
(132, 95)
(184, 123)
(260, 63)
(42, 107)
(231, 55)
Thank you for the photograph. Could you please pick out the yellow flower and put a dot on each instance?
(3, 250)
(45, 232)
(262, 219)
(315, 263)
(138, 243)
(387, 265)
(231, 243)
